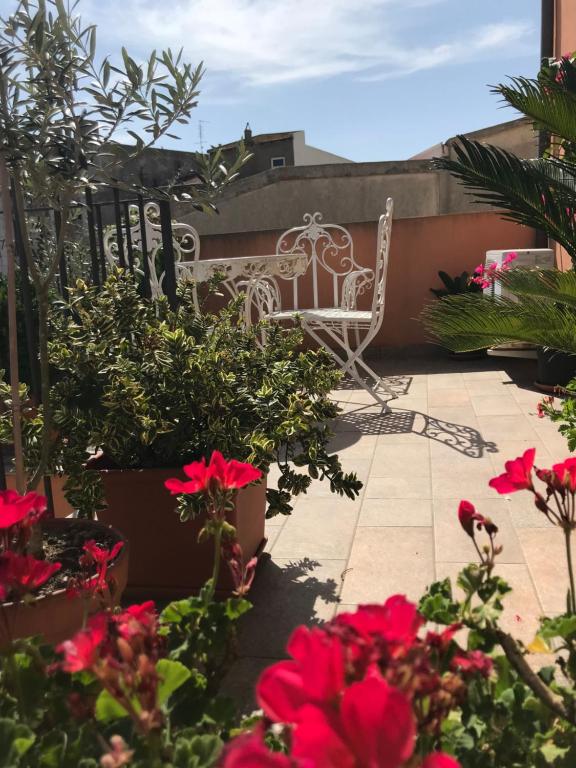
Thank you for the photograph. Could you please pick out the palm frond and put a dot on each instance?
(551, 106)
(536, 193)
(469, 322)
(543, 284)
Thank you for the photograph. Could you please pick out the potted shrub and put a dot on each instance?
(61, 107)
(145, 389)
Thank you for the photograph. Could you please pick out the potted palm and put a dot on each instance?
(61, 107)
(145, 389)
(538, 193)
(460, 284)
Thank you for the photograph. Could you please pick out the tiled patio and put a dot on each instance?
(451, 429)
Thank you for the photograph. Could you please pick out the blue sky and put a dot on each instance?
(366, 79)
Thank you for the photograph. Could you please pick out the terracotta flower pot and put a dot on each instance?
(166, 559)
(56, 616)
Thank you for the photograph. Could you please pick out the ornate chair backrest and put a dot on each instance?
(328, 248)
(185, 240)
(382, 258)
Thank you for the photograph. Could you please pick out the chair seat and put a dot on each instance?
(329, 314)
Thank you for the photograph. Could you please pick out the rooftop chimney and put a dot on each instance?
(247, 133)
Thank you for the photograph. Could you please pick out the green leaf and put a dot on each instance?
(107, 708)
(172, 674)
(198, 751)
(560, 626)
(15, 740)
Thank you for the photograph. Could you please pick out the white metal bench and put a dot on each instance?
(185, 241)
(332, 319)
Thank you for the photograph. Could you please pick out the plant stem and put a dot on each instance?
(535, 683)
(12, 326)
(567, 536)
(217, 557)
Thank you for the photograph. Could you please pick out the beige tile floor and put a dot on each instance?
(450, 430)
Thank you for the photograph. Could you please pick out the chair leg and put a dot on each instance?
(348, 365)
(379, 383)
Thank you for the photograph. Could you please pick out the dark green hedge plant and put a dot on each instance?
(153, 387)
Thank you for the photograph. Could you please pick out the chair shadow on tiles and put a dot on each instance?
(399, 385)
(367, 420)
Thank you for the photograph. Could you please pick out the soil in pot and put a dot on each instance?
(54, 614)
(166, 560)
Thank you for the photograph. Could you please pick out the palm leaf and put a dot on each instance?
(469, 322)
(536, 193)
(552, 107)
(542, 284)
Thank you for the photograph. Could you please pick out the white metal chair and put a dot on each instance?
(185, 241)
(329, 249)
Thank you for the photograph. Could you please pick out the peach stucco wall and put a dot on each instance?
(565, 27)
(420, 247)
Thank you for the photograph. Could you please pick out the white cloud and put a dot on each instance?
(265, 42)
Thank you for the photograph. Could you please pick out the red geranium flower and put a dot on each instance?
(378, 723)
(397, 621)
(468, 516)
(474, 662)
(82, 651)
(440, 760)
(316, 675)
(137, 620)
(219, 474)
(249, 751)
(375, 727)
(23, 573)
(518, 475)
(566, 474)
(15, 508)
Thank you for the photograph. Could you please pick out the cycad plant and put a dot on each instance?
(539, 193)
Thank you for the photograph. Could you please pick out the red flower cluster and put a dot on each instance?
(95, 558)
(121, 651)
(557, 501)
(356, 692)
(213, 478)
(20, 573)
(17, 515)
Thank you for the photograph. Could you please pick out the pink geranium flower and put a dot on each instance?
(218, 475)
(518, 475)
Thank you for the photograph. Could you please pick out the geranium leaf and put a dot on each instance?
(107, 708)
(172, 674)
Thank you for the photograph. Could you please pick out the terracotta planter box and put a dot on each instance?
(56, 616)
(166, 559)
(61, 506)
